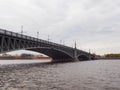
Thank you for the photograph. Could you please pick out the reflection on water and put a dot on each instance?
(6, 62)
(89, 75)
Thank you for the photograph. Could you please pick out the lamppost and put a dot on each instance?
(48, 38)
(75, 45)
(89, 51)
(89, 54)
(75, 52)
(22, 29)
(38, 34)
(63, 42)
(60, 41)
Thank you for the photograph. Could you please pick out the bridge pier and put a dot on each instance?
(76, 59)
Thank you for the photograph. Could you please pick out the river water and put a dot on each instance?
(85, 75)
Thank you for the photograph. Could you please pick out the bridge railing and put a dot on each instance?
(5, 32)
(2, 31)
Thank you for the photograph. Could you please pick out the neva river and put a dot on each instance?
(86, 75)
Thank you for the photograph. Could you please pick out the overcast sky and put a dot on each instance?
(93, 24)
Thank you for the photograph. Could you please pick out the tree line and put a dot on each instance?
(115, 56)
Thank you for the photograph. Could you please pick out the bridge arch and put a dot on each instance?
(55, 54)
(83, 57)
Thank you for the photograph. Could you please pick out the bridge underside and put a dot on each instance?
(56, 55)
(83, 58)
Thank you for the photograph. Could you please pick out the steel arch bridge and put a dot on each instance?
(11, 41)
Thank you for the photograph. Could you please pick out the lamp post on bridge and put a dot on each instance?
(38, 34)
(48, 38)
(22, 29)
(89, 51)
(60, 41)
(63, 42)
(75, 52)
(89, 54)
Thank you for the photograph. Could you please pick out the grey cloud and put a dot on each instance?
(89, 22)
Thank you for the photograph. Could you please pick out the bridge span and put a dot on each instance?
(11, 41)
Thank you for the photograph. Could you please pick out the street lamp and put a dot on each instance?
(89, 51)
(63, 42)
(48, 38)
(38, 34)
(60, 41)
(75, 45)
(22, 29)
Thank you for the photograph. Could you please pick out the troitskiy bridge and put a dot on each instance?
(11, 41)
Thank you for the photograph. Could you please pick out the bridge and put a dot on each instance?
(11, 41)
